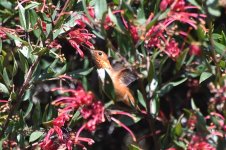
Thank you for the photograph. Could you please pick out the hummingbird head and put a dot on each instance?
(100, 59)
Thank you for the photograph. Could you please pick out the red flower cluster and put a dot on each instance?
(160, 37)
(92, 111)
(4, 30)
(80, 36)
(108, 22)
(199, 143)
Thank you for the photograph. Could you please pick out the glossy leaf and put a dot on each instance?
(35, 136)
(22, 16)
(204, 76)
(141, 99)
(3, 89)
(100, 8)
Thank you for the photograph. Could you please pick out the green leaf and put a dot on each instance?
(3, 89)
(201, 33)
(32, 5)
(37, 115)
(201, 123)
(193, 106)
(24, 63)
(223, 38)
(214, 11)
(204, 76)
(134, 147)
(151, 72)
(74, 118)
(193, 2)
(29, 108)
(33, 18)
(181, 59)
(25, 51)
(22, 16)
(220, 48)
(81, 72)
(48, 113)
(15, 67)
(5, 77)
(178, 129)
(0, 45)
(154, 106)
(152, 22)
(222, 64)
(141, 99)
(16, 38)
(35, 135)
(141, 16)
(166, 88)
(100, 8)
(114, 19)
(180, 144)
(6, 4)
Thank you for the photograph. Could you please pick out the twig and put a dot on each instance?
(62, 11)
(20, 95)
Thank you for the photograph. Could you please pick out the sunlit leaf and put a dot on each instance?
(22, 16)
(204, 76)
(100, 7)
(35, 136)
(141, 99)
(3, 89)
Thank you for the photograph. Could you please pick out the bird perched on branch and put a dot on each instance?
(120, 78)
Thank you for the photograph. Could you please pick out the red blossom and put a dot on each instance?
(4, 30)
(80, 37)
(199, 143)
(92, 111)
(195, 49)
(54, 44)
(159, 36)
(172, 49)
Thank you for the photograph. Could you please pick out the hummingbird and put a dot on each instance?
(121, 79)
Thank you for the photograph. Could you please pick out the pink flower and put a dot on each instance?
(3, 101)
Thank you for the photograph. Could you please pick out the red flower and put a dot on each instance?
(172, 49)
(80, 37)
(161, 34)
(199, 143)
(195, 49)
(91, 111)
(94, 114)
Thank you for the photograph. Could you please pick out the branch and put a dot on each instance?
(20, 95)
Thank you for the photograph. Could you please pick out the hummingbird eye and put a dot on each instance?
(100, 53)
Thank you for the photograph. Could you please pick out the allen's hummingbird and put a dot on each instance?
(120, 78)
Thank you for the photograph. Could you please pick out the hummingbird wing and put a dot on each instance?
(126, 76)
